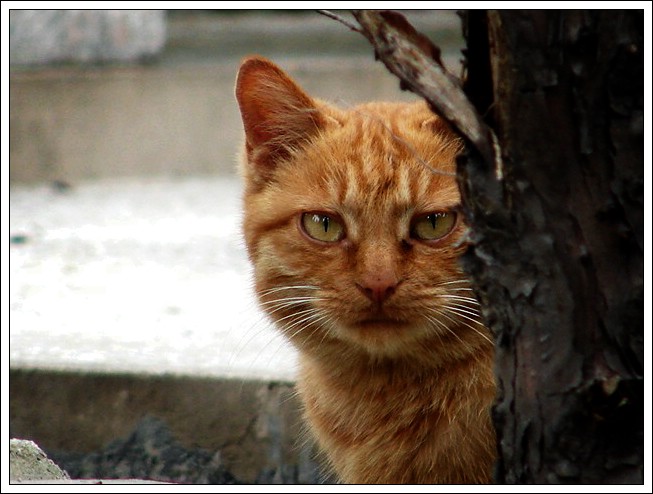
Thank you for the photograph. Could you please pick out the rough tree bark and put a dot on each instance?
(558, 242)
(555, 204)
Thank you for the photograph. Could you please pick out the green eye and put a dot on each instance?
(322, 227)
(433, 226)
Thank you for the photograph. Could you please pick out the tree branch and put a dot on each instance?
(413, 58)
(341, 20)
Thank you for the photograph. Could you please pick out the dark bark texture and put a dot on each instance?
(552, 187)
(557, 238)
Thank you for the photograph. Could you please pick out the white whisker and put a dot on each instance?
(246, 339)
(462, 313)
(328, 321)
(310, 310)
(304, 323)
(453, 282)
(296, 303)
(284, 340)
(442, 325)
(289, 300)
(290, 287)
(463, 299)
(472, 311)
(308, 316)
(277, 305)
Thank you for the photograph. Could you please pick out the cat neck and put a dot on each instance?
(340, 363)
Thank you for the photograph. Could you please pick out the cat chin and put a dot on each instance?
(382, 337)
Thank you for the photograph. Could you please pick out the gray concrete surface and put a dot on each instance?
(137, 276)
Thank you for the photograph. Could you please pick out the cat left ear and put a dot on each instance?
(277, 114)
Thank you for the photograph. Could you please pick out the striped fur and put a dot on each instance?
(396, 390)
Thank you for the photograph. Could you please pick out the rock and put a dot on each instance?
(28, 462)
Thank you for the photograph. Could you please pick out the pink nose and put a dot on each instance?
(378, 287)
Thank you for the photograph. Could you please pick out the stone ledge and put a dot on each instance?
(163, 428)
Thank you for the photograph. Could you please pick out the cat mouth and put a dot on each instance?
(381, 323)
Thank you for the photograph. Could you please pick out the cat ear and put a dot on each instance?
(277, 114)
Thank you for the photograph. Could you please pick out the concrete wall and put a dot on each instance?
(86, 422)
(71, 124)
(176, 114)
(40, 37)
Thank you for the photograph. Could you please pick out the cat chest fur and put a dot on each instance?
(403, 425)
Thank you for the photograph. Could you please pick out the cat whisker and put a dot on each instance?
(277, 305)
(463, 313)
(314, 321)
(273, 306)
(470, 300)
(441, 325)
(261, 326)
(463, 281)
(310, 310)
(309, 317)
(477, 331)
(264, 327)
(455, 322)
(249, 335)
(473, 311)
(290, 287)
(327, 325)
(450, 331)
(438, 324)
(302, 328)
(280, 343)
(290, 300)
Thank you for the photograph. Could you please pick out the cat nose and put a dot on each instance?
(378, 286)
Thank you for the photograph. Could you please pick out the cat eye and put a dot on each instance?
(433, 226)
(322, 227)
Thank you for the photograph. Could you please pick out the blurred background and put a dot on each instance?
(125, 252)
(124, 137)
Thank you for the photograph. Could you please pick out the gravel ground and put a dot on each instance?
(138, 276)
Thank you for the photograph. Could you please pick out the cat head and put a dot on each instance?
(352, 221)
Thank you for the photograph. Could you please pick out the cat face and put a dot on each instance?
(352, 220)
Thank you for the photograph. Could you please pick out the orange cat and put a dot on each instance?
(353, 224)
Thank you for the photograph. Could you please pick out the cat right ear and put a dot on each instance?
(277, 114)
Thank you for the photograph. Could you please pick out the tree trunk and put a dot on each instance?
(557, 238)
